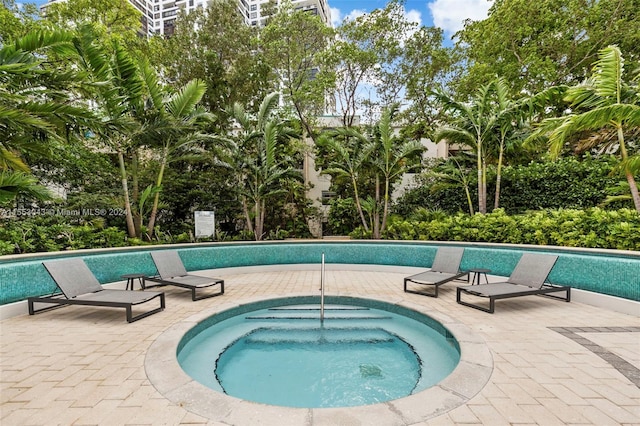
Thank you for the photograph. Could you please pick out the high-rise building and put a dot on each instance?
(255, 14)
(159, 16)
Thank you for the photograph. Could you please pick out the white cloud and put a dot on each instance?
(355, 14)
(414, 16)
(336, 16)
(451, 14)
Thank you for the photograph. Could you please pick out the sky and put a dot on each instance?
(446, 14)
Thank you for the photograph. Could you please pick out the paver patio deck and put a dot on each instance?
(555, 363)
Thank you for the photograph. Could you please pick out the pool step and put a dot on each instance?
(332, 316)
(317, 308)
(266, 336)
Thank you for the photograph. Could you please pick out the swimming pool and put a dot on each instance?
(169, 379)
(284, 355)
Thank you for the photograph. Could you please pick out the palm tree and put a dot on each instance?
(379, 153)
(119, 95)
(451, 174)
(505, 118)
(350, 151)
(472, 125)
(171, 124)
(393, 158)
(261, 169)
(36, 105)
(602, 101)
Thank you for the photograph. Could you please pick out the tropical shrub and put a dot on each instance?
(593, 227)
(343, 217)
(565, 183)
(53, 233)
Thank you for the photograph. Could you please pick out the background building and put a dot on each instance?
(159, 16)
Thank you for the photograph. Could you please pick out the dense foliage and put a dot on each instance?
(54, 232)
(565, 183)
(592, 227)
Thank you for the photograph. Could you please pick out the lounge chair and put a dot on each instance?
(527, 278)
(445, 268)
(80, 287)
(171, 271)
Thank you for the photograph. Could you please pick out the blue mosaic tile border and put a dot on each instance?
(615, 273)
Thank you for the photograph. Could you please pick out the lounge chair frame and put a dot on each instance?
(519, 283)
(95, 296)
(171, 271)
(445, 268)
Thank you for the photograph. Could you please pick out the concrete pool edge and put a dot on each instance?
(468, 378)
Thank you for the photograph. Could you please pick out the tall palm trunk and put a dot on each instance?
(259, 219)
(482, 203)
(496, 202)
(469, 202)
(385, 210)
(131, 230)
(135, 194)
(630, 179)
(376, 212)
(247, 216)
(358, 204)
(484, 183)
(156, 198)
(634, 189)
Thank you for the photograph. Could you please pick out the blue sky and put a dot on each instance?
(446, 14)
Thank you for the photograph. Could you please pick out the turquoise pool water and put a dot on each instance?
(283, 355)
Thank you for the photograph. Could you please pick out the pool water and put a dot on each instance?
(286, 356)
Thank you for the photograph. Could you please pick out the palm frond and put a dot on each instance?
(266, 107)
(632, 164)
(150, 78)
(240, 115)
(14, 183)
(607, 73)
(185, 100)
(455, 135)
(58, 41)
(10, 161)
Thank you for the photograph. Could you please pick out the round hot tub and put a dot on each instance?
(289, 353)
(378, 344)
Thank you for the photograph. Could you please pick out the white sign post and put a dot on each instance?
(205, 224)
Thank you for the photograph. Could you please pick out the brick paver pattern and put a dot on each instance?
(83, 365)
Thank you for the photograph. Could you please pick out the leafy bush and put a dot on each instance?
(52, 233)
(565, 183)
(343, 217)
(593, 227)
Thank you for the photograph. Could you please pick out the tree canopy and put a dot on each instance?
(537, 44)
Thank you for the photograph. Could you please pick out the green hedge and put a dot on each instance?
(566, 183)
(594, 227)
(50, 233)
